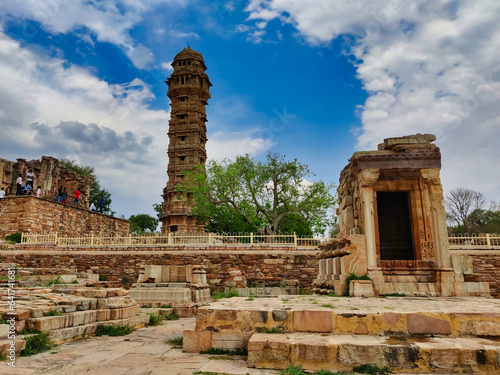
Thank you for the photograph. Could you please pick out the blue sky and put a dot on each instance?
(314, 80)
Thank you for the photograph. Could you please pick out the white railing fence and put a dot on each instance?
(481, 241)
(174, 239)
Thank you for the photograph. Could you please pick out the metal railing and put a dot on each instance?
(174, 239)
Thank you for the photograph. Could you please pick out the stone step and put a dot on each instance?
(408, 278)
(412, 289)
(6, 347)
(78, 318)
(343, 352)
(59, 336)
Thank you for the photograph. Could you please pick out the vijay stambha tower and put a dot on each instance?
(188, 90)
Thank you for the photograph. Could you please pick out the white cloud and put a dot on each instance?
(430, 66)
(167, 66)
(49, 107)
(109, 21)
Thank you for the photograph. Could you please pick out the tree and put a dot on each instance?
(95, 189)
(462, 206)
(143, 223)
(158, 209)
(248, 196)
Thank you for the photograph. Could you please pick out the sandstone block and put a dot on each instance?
(269, 354)
(116, 292)
(229, 339)
(419, 324)
(90, 293)
(312, 321)
(5, 347)
(280, 315)
(4, 330)
(196, 341)
(114, 302)
(361, 288)
(226, 315)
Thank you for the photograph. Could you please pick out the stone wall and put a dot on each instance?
(486, 267)
(35, 215)
(259, 265)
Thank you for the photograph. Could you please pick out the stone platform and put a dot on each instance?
(410, 334)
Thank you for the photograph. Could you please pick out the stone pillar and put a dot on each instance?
(322, 269)
(368, 178)
(440, 231)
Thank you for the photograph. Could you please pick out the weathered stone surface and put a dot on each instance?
(5, 345)
(271, 354)
(4, 330)
(419, 324)
(229, 339)
(90, 293)
(312, 321)
(280, 315)
(196, 341)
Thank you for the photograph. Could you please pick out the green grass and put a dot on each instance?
(29, 331)
(121, 330)
(145, 307)
(36, 344)
(224, 294)
(329, 305)
(372, 370)
(3, 357)
(332, 294)
(269, 330)
(52, 282)
(53, 313)
(3, 321)
(155, 319)
(393, 295)
(297, 370)
(218, 351)
(166, 306)
(75, 282)
(13, 238)
(171, 316)
(251, 297)
(175, 341)
(305, 292)
(103, 278)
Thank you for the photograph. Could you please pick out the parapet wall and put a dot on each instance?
(35, 215)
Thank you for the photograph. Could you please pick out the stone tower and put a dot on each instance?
(188, 90)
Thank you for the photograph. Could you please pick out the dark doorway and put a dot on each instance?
(173, 228)
(394, 226)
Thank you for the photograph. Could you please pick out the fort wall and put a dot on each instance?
(31, 214)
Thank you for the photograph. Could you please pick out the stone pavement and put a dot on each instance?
(142, 352)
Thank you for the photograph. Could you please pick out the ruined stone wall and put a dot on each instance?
(31, 214)
(49, 174)
(259, 265)
(486, 267)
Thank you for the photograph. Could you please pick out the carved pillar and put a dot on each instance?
(368, 178)
(438, 215)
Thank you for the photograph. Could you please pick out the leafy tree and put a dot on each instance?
(143, 223)
(158, 209)
(248, 195)
(95, 189)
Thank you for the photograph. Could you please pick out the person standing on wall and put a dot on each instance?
(101, 204)
(30, 176)
(19, 185)
(59, 194)
(77, 196)
(64, 196)
(2, 193)
(39, 192)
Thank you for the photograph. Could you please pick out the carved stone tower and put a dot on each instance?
(188, 90)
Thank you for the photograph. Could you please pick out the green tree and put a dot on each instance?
(95, 189)
(248, 195)
(462, 205)
(158, 209)
(143, 223)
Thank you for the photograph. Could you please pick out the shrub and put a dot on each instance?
(103, 278)
(218, 351)
(225, 294)
(13, 238)
(3, 357)
(329, 305)
(269, 330)
(166, 306)
(53, 313)
(28, 331)
(36, 344)
(125, 281)
(175, 341)
(171, 316)
(351, 277)
(52, 282)
(121, 330)
(155, 319)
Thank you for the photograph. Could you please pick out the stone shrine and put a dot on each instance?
(188, 90)
(393, 226)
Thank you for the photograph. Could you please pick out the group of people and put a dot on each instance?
(26, 188)
(62, 194)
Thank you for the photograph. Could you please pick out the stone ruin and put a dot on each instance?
(49, 174)
(183, 287)
(393, 226)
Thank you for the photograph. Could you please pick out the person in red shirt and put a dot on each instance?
(77, 196)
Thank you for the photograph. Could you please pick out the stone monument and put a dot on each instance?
(393, 226)
(188, 90)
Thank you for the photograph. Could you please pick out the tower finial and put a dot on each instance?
(188, 45)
